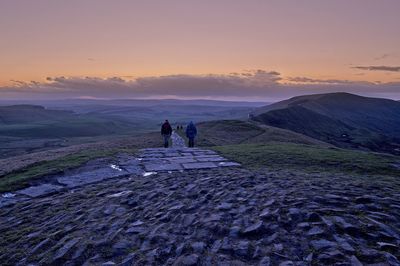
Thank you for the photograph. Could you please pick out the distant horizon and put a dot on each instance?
(133, 99)
(260, 101)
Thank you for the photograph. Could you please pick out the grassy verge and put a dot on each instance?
(20, 178)
(308, 158)
(232, 132)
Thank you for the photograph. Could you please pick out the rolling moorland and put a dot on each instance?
(38, 126)
(317, 195)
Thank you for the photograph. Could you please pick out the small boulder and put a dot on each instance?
(254, 229)
(198, 247)
(265, 261)
(322, 244)
(224, 206)
(242, 249)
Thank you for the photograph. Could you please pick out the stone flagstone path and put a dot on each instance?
(177, 141)
(149, 161)
(180, 157)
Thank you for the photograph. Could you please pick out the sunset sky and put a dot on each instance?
(226, 49)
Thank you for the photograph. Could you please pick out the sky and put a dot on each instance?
(211, 49)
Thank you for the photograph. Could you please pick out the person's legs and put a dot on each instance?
(191, 142)
(166, 141)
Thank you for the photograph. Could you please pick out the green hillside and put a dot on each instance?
(343, 119)
(228, 132)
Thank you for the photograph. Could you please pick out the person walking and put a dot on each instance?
(191, 132)
(166, 131)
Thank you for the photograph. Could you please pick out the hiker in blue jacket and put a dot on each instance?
(191, 132)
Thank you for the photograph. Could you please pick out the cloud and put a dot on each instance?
(382, 57)
(379, 68)
(305, 80)
(247, 85)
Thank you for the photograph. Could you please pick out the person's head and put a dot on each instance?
(166, 121)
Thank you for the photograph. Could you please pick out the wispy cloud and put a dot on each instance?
(381, 57)
(305, 80)
(379, 68)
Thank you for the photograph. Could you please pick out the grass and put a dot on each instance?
(264, 147)
(310, 158)
(230, 132)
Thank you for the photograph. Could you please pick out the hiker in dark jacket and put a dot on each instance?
(166, 131)
(191, 132)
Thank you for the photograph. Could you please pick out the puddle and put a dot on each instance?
(149, 173)
(395, 165)
(120, 194)
(115, 167)
(8, 195)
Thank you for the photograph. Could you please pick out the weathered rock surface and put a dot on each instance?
(212, 216)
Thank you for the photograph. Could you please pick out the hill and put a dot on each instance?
(38, 122)
(232, 132)
(343, 119)
(16, 114)
(28, 128)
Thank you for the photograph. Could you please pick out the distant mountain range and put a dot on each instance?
(343, 119)
(68, 103)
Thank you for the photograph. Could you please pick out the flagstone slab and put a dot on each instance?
(172, 154)
(182, 160)
(90, 177)
(40, 191)
(163, 167)
(210, 159)
(199, 165)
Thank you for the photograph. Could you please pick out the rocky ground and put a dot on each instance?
(207, 216)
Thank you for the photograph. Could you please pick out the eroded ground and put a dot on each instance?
(221, 216)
